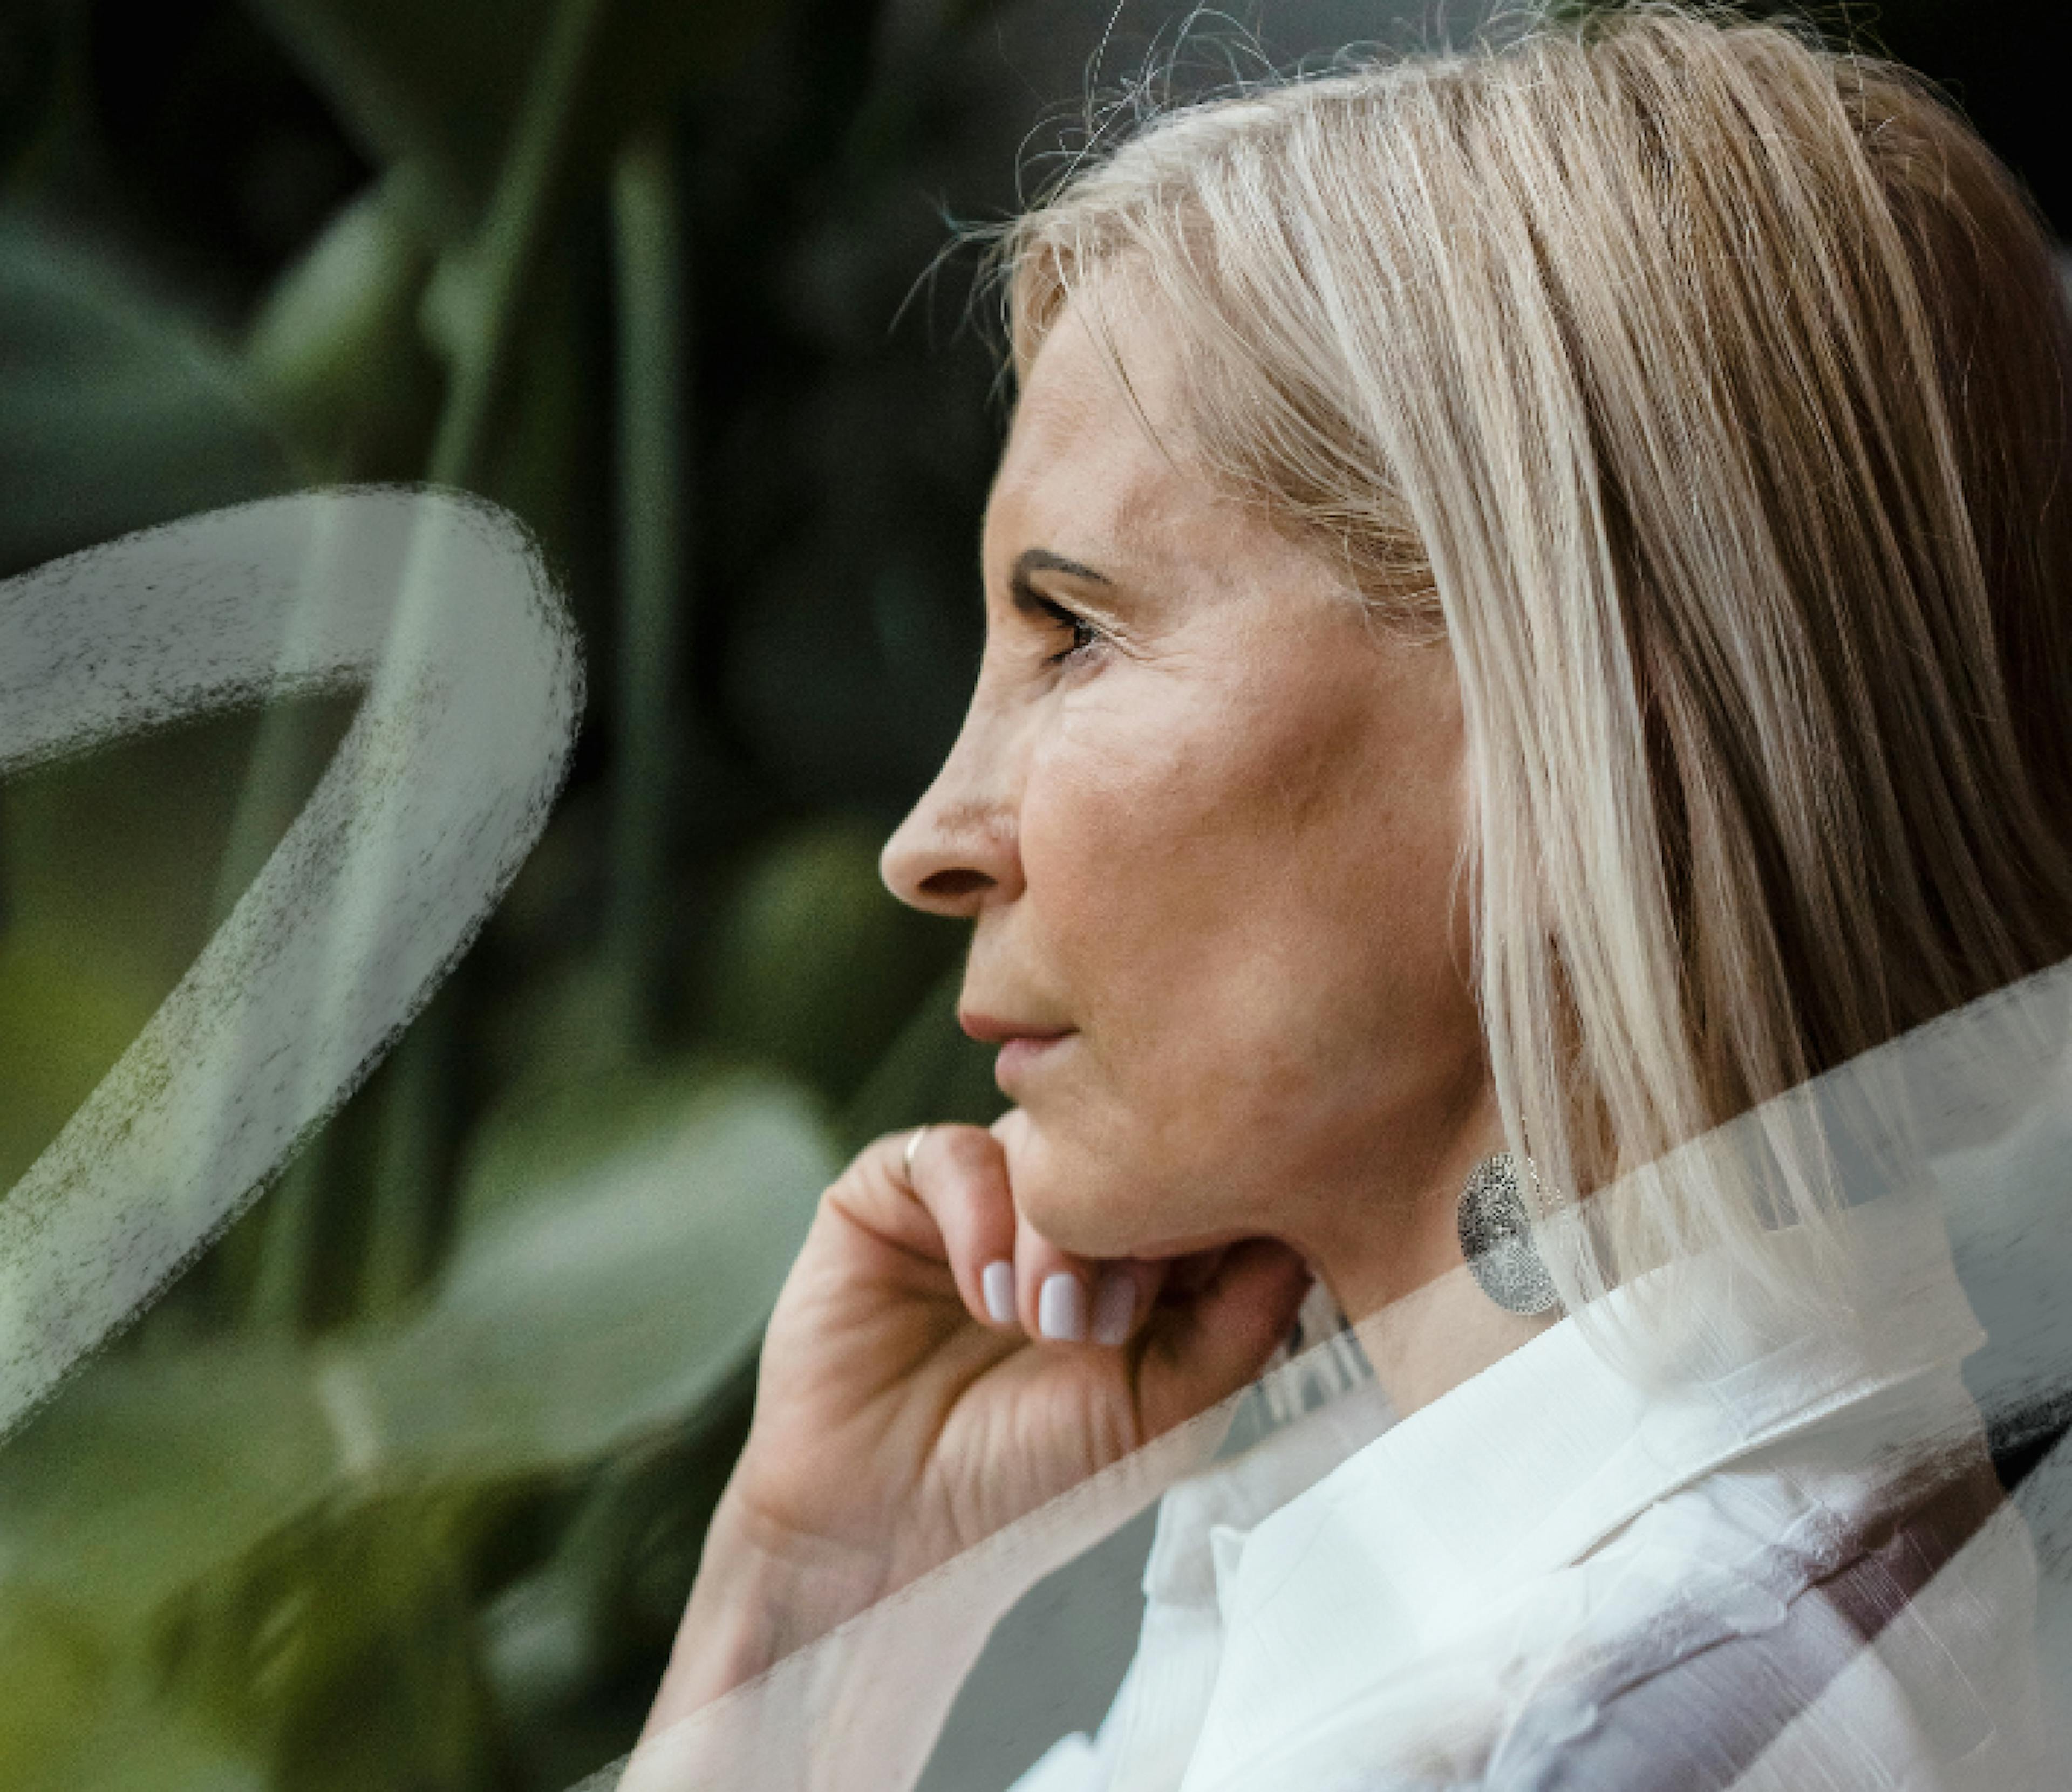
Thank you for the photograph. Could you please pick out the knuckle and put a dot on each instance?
(888, 1144)
(971, 1149)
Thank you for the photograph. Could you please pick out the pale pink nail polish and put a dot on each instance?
(1061, 1310)
(996, 1283)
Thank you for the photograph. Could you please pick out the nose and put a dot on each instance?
(960, 850)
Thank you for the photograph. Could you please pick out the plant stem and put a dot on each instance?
(529, 191)
(417, 1120)
(652, 311)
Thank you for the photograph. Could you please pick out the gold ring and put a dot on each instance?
(913, 1145)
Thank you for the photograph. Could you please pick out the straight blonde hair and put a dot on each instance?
(1706, 389)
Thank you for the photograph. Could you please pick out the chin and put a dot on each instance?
(1088, 1222)
(1088, 1202)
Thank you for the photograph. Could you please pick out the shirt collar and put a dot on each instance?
(1344, 1542)
(1531, 1463)
(1232, 1498)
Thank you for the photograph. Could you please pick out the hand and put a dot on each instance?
(910, 1404)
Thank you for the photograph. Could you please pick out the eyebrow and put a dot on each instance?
(1042, 559)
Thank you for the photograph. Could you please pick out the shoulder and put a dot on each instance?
(1893, 1655)
(1738, 1635)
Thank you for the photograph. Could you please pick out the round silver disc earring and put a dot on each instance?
(1497, 1240)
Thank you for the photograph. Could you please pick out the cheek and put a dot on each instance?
(1259, 834)
(1147, 853)
(1244, 902)
(1147, 843)
(1244, 897)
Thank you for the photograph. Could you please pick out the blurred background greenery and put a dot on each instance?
(401, 1486)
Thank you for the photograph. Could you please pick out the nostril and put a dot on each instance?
(953, 886)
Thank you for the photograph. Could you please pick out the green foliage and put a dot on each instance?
(339, 1653)
(812, 964)
(277, 1535)
(129, 1741)
(404, 1484)
(444, 87)
(120, 413)
(620, 1248)
(337, 349)
(58, 1674)
(66, 1016)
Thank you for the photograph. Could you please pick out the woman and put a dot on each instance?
(1525, 624)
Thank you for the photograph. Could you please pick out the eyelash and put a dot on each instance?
(1084, 635)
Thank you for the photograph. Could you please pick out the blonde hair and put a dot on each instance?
(1707, 389)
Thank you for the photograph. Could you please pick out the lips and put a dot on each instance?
(1022, 1044)
(990, 1030)
(1018, 1056)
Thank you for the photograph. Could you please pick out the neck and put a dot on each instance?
(1396, 1271)
(1436, 1337)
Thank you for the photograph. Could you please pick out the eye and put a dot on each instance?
(1081, 635)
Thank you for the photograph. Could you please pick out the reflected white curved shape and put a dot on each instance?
(439, 606)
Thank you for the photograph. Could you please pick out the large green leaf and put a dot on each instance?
(147, 1473)
(275, 1533)
(119, 414)
(140, 1745)
(115, 868)
(56, 1671)
(77, 1714)
(621, 1250)
(337, 346)
(602, 1608)
(343, 1652)
(622, 1245)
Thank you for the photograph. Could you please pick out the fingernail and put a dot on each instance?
(1061, 1309)
(1114, 1306)
(996, 1282)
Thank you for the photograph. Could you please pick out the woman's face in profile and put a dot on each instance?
(1204, 816)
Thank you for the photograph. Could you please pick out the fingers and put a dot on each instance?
(958, 1174)
(1064, 1299)
(943, 1194)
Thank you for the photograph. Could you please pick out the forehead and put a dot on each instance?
(1095, 457)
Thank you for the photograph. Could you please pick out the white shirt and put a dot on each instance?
(1551, 1577)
